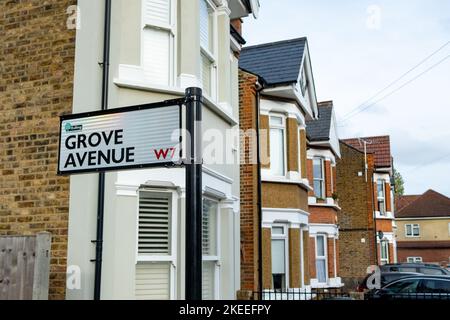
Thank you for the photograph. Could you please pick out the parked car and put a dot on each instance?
(419, 287)
(423, 268)
(386, 277)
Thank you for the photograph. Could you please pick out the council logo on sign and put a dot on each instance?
(70, 128)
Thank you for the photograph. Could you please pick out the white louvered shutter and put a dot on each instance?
(204, 25)
(205, 74)
(157, 12)
(153, 281)
(209, 248)
(154, 224)
(157, 41)
(208, 280)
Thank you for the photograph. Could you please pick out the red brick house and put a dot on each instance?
(277, 98)
(423, 228)
(364, 175)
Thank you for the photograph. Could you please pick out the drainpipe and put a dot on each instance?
(101, 180)
(374, 221)
(259, 193)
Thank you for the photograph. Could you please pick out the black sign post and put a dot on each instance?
(193, 284)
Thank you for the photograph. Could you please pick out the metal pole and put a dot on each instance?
(101, 179)
(193, 290)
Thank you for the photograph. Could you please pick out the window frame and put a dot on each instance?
(384, 260)
(321, 180)
(283, 128)
(215, 258)
(324, 257)
(413, 226)
(172, 29)
(285, 238)
(414, 260)
(382, 198)
(212, 56)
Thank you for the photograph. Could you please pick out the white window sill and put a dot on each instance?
(301, 182)
(387, 216)
(329, 202)
(223, 110)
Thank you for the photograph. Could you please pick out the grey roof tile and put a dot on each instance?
(277, 62)
(319, 130)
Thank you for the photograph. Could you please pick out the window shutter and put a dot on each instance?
(209, 232)
(157, 12)
(204, 24)
(152, 281)
(205, 73)
(154, 224)
(156, 59)
(208, 279)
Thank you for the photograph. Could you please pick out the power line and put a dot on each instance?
(392, 92)
(398, 79)
(428, 163)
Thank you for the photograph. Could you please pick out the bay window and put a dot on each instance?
(278, 145)
(158, 41)
(210, 269)
(319, 177)
(321, 259)
(381, 197)
(279, 257)
(208, 68)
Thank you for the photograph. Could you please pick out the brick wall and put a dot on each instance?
(322, 215)
(36, 79)
(249, 183)
(356, 217)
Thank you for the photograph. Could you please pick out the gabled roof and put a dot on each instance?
(380, 146)
(276, 62)
(403, 201)
(319, 130)
(430, 204)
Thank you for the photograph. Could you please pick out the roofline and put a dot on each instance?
(352, 147)
(417, 199)
(269, 44)
(370, 137)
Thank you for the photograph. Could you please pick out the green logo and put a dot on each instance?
(71, 128)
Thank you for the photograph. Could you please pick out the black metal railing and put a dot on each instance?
(407, 296)
(304, 294)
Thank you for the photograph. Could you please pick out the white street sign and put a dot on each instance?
(117, 139)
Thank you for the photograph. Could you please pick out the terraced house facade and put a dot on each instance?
(277, 83)
(322, 155)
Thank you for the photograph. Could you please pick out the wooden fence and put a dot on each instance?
(25, 267)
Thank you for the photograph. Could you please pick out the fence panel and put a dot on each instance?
(24, 267)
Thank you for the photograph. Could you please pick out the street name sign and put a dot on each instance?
(118, 139)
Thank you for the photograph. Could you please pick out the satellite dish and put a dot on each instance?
(254, 4)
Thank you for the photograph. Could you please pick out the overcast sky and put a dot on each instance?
(360, 47)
